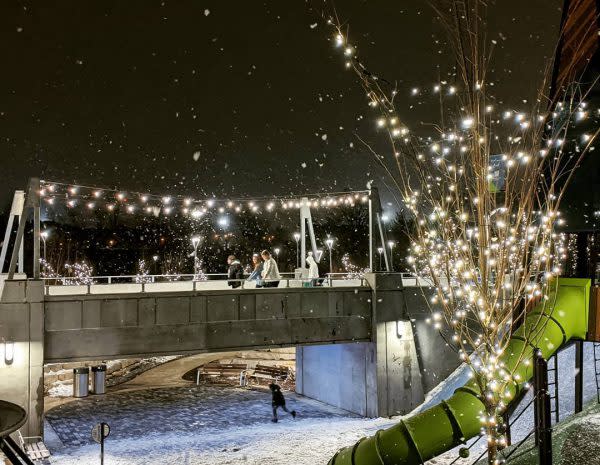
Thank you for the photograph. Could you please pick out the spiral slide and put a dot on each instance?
(452, 422)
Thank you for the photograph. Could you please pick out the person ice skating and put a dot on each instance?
(278, 401)
(313, 270)
(270, 272)
(235, 273)
(257, 267)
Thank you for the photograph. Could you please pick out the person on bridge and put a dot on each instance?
(270, 272)
(257, 267)
(278, 401)
(313, 270)
(235, 273)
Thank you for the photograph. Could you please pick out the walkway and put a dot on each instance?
(202, 425)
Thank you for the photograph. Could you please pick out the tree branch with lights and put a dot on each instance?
(483, 191)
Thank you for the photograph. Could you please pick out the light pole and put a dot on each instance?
(44, 235)
(391, 245)
(277, 250)
(329, 243)
(195, 243)
(155, 259)
(297, 239)
(380, 252)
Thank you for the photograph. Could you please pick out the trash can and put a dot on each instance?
(81, 379)
(99, 379)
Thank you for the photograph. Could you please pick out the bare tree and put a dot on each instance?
(484, 189)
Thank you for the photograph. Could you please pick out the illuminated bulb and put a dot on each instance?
(349, 51)
(167, 210)
(381, 122)
(339, 40)
(467, 123)
(415, 91)
(73, 190)
(187, 202)
(197, 213)
(97, 194)
(452, 90)
(166, 200)
(120, 196)
(210, 203)
(110, 207)
(90, 205)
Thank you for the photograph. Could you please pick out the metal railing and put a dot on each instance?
(208, 281)
(190, 282)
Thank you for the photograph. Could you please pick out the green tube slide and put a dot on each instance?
(452, 422)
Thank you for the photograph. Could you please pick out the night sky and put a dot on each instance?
(124, 93)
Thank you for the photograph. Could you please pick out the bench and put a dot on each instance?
(268, 372)
(35, 450)
(218, 370)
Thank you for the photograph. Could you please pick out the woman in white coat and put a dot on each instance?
(313, 270)
(270, 272)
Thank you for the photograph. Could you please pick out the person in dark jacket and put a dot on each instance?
(278, 401)
(236, 272)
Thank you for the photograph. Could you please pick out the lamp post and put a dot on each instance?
(195, 244)
(380, 252)
(329, 244)
(391, 245)
(297, 239)
(44, 235)
(277, 250)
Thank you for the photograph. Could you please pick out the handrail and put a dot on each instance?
(197, 285)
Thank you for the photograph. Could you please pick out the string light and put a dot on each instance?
(483, 238)
(190, 206)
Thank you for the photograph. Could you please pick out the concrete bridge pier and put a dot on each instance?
(389, 376)
(22, 350)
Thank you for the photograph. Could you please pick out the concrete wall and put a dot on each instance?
(87, 327)
(22, 324)
(342, 375)
(389, 376)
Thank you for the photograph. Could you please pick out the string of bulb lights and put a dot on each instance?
(93, 198)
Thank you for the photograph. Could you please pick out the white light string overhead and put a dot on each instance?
(92, 198)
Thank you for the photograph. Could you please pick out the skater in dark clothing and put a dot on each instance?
(278, 401)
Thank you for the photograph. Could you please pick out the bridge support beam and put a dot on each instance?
(389, 376)
(22, 350)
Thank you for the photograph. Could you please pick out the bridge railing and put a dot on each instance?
(187, 282)
(206, 282)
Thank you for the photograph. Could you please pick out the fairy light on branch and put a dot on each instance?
(484, 193)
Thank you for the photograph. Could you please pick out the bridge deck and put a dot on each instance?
(120, 324)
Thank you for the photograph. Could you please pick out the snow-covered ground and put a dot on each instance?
(303, 441)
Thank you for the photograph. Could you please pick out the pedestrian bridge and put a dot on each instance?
(82, 326)
(362, 345)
